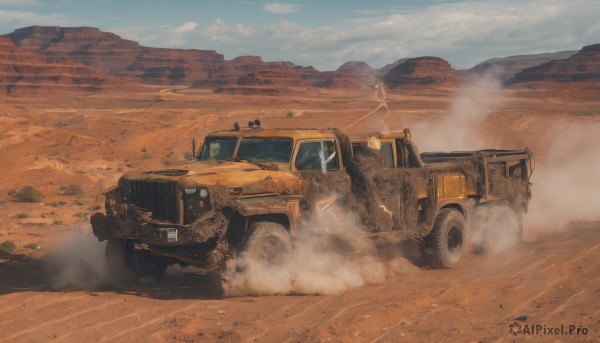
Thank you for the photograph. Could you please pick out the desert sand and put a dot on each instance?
(55, 289)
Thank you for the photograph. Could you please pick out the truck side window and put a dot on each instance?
(388, 154)
(309, 155)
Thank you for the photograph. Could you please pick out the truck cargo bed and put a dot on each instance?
(441, 157)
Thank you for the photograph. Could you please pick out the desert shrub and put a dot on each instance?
(57, 222)
(81, 215)
(22, 215)
(27, 194)
(34, 246)
(72, 190)
(8, 246)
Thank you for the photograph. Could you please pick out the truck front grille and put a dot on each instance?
(160, 197)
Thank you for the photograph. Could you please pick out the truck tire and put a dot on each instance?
(127, 264)
(118, 256)
(268, 243)
(502, 229)
(445, 246)
(147, 265)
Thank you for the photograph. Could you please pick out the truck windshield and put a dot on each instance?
(217, 148)
(265, 149)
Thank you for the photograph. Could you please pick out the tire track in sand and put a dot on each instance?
(61, 319)
(159, 317)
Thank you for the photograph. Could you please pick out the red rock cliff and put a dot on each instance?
(583, 66)
(24, 71)
(422, 71)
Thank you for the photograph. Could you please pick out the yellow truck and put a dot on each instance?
(247, 189)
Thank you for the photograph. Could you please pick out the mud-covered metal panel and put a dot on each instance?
(451, 186)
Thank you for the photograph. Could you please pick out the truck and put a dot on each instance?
(248, 190)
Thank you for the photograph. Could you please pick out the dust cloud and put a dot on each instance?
(330, 255)
(458, 130)
(566, 180)
(78, 263)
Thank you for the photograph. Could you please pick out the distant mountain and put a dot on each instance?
(505, 68)
(386, 68)
(86, 58)
(24, 71)
(422, 71)
(583, 66)
(115, 56)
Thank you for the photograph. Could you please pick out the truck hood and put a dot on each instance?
(248, 176)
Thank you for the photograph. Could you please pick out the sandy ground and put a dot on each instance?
(51, 141)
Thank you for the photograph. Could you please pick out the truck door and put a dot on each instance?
(320, 159)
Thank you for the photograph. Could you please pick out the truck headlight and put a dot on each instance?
(203, 192)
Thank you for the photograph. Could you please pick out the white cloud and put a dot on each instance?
(145, 34)
(19, 2)
(9, 20)
(220, 32)
(280, 8)
(187, 27)
(369, 12)
(464, 33)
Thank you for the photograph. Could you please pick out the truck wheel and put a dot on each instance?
(118, 256)
(147, 265)
(445, 246)
(269, 243)
(127, 264)
(502, 229)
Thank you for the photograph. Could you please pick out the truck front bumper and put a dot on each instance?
(137, 224)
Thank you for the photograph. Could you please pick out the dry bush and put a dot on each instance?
(7, 247)
(27, 194)
(72, 190)
(33, 246)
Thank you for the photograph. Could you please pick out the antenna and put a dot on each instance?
(193, 148)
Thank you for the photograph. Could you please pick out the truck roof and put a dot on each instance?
(382, 135)
(291, 133)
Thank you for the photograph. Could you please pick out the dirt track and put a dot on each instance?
(551, 279)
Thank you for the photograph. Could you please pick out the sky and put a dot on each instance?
(325, 34)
